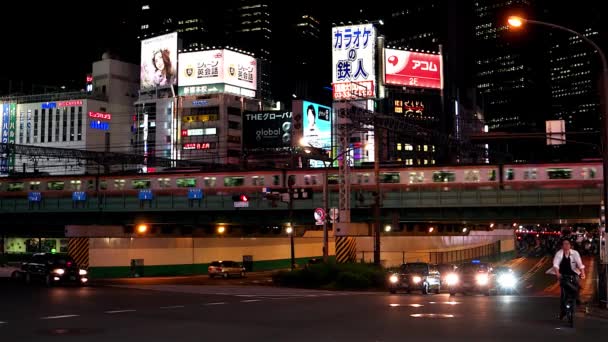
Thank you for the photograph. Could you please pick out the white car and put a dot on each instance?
(7, 271)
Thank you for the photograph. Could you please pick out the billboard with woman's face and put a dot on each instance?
(159, 61)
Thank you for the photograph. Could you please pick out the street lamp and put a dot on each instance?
(289, 231)
(518, 22)
(142, 228)
(387, 228)
(221, 230)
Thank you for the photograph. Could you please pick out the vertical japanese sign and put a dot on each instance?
(4, 157)
(12, 132)
(353, 62)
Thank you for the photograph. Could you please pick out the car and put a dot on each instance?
(225, 269)
(444, 270)
(53, 269)
(416, 276)
(506, 280)
(474, 277)
(8, 271)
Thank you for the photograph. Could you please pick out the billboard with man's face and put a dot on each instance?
(316, 130)
(159, 61)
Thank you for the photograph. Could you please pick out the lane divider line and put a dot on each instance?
(172, 307)
(217, 303)
(251, 300)
(118, 311)
(2, 322)
(59, 317)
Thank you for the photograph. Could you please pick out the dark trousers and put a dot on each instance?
(569, 289)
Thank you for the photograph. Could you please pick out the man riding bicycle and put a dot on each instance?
(568, 265)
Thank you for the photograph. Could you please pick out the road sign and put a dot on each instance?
(319, 215)
(334, 213)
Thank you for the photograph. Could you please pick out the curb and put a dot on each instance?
(597, 313)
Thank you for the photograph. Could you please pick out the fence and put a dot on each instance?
(396, 258)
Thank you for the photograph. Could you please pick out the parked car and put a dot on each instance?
(474, 277)
(225, 269)
(417, 276)
(53, 269)
(8, 271)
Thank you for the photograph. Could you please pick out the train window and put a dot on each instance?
(510, 174)
(234, 181)
(164, 182)
(389, 177)
(35, 185)
(15, 186)
(444, 176)
(90, 184)
(315, 180)
(103, 185)
(416, 177)
(471, 175)
(492, 175)
(530, 174)
(310, 180)
(588, 173)
(1, 188)
(57, 185)
(365, 178)
(307, 180)
(332, 179)
(75, 184)
(209, 182)
(119, 184)
(276, 180)
(559, 173)
(140, 184)
(257, 180)
(291, 180)
(185, 182)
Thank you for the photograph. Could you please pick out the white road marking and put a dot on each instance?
(59, 317)
(250, 300)
(172, 307)
(118, 311)
(216, 303)
(2, 322)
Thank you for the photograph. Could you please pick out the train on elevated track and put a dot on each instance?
(443, 178)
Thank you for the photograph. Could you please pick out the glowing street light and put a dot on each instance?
(289, 230)
(142, 228)
(464, 230)
(387, 228)
(431, 229)
(221, 230)
(515, 21)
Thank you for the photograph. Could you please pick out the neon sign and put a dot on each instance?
(197, 146)
(102, 126)
(98, 115)
(70, 103)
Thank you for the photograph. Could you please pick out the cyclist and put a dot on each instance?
(568, 265)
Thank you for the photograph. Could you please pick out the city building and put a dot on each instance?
(97, 120)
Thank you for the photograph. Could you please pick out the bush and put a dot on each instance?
(338, 276)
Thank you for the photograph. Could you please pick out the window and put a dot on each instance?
(362, 178)
(35, 126)
(588, 172)
(65, 125)
(21, 129)
(399, 146)
(426, 148)
(75, 185)
(492, 175)
(72, 117)
(276, 180)
(234, 181)
(90, 184)
(510, 174)
(389, 177)
(291, 179)
(234, 111)
(42, 125)
(471, 175)
(234, 125)
(234, 153)
(103, 185)
(185, 182)
(257, 180)
(55, 185)
(416, 177)
(35, 185)
(333, 179)
(444, 176)
(57, 120)
(209, 182)
(559, 173)
(28, 131)
(79, 124)
(119, 184)
(234, 139)
(164, 182)
(15, 186)
(530, 174)
(140, 184)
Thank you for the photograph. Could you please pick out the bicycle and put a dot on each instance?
(569, 292)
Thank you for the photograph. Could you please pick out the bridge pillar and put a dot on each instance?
(346, 249)
(78, 249)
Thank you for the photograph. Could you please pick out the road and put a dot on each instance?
(188, 311)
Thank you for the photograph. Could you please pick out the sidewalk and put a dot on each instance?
(596, 312)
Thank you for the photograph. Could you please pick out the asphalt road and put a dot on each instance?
(165, 312)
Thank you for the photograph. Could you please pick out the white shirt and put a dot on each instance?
(576, 263)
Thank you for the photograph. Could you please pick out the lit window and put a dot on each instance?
(426, 148)
(399, 147)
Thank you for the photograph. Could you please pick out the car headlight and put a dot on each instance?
(482, 279)
(451, 279)
(416, 279)
(59, 271)
(507, 280)
(82, 272)
(393, 279)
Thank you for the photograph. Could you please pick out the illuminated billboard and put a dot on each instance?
(413, 69)
(317, 125)
(353, 62)
(217, 67)
(269, 129)
(159, 61)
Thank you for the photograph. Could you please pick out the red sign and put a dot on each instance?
(353, 90)
(70, 103)
(197, 146)
(102, 116)
(184, 132)
(89, 79)
(413, 69)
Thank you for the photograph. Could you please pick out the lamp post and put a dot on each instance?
(289, 231)
(517, 22)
